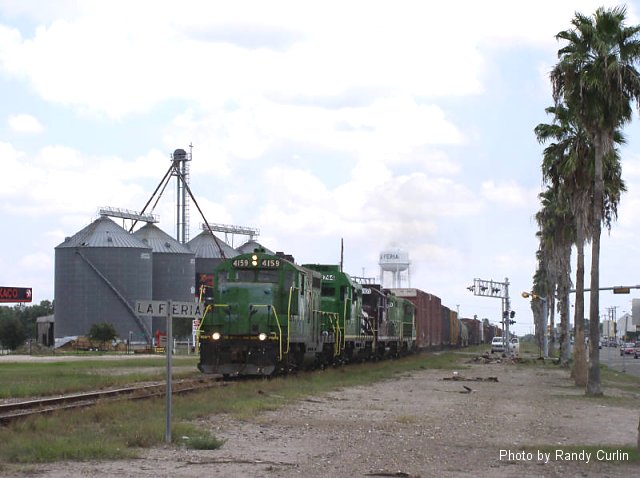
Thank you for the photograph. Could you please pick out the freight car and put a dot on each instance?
(268, 316)
(428, 323)
(474, 328)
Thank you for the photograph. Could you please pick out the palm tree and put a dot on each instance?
(542, 284)
(556, 236)
(568, 165)
(558, 159)
(596, 78)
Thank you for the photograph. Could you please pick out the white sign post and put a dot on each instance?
(169, 309)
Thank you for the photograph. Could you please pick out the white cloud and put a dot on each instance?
(126, 64)
(38, 261)
(61, 180)
(509, 195)
(376, 103)
(25, 123)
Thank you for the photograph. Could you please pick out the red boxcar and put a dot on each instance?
(428, 316)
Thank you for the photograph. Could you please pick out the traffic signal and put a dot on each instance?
(512, 314)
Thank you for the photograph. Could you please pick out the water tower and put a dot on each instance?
(395, 261)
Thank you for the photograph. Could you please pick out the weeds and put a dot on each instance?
(117, 430)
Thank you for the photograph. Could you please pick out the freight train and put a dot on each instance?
(267, 315)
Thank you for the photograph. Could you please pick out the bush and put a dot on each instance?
(102, 332)
(12, 333)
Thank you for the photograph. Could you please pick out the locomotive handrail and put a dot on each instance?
(203, 287)
(204, 316)
(344, 321)
(291, 289)
(339, 337)
(275, 314)
(336, 328)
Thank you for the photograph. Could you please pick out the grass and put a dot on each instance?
(106, 431)
(52, 378)
(117, 430)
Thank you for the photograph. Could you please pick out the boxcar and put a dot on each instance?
(445, 322)
(474, 328)
(428, 316)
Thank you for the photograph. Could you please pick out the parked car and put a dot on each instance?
(497, 344)
(514, 345)
(627, 349)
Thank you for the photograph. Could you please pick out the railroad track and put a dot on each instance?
(17, 410)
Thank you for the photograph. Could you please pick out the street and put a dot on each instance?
(611, 357)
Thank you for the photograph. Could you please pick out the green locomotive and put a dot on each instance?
(341, 315)
(264, 317)
(270, 316)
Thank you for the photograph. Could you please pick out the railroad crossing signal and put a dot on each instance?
(489, 288)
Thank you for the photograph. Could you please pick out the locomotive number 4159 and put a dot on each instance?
(261, 263)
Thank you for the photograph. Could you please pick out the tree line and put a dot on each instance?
(595, 86)
(18, 323)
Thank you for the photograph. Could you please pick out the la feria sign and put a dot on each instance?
(169, 308)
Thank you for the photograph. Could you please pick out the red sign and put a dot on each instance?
(15, 294)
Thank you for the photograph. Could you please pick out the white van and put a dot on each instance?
(497, 344)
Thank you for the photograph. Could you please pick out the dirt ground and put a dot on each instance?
(421, 424)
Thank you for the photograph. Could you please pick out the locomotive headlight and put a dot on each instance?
(262, 336)
(215, 336)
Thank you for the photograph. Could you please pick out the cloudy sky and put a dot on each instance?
(387, 124)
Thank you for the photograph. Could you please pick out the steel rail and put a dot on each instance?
(25, 408)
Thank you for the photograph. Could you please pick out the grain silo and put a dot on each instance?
(100, 273)
(174, 268)
(210, 251)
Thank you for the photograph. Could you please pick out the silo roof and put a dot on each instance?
(103, 232)
(251, 246)
(160, 241)
(204, 246)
